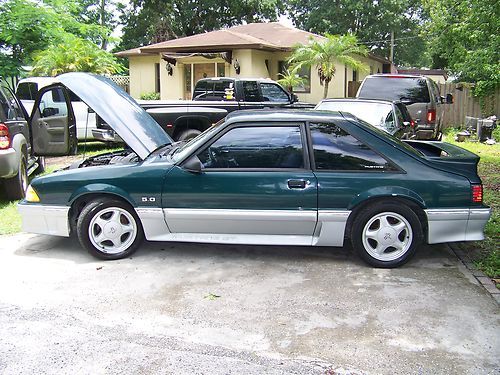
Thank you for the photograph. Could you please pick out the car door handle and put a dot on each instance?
(297, 184)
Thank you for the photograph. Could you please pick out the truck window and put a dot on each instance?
(406, 89)
(273, 93)
(251, 91)
(200, 90)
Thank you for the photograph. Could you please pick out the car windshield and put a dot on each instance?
(375, 114)
(194, 143)
(406, 89)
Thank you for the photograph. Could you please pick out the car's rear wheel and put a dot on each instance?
(15, 187)
(386, 235)
(109, 229)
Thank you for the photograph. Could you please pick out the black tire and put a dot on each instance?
(97, 210)
(15, 187)
(41, 165)
(188, 134)
(386, 245)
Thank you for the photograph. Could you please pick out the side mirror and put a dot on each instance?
(50, 111)
(294, 98)
(193, 165)
(449, 99)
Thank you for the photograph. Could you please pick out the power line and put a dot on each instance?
(388, 40)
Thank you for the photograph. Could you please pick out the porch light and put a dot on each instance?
(237, 66)
(170, 69)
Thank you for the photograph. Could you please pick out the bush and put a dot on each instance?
(150, 96)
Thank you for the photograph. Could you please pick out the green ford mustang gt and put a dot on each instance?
(260, 177)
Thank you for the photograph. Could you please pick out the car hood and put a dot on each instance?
(119, 110)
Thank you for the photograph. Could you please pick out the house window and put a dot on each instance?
(221, 70)
(355, 75)
(157, 77)
(304, 73)
(187, 81)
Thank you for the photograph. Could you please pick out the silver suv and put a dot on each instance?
(25, 141)
(420, 94)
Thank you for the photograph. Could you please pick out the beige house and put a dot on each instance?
(257, 50)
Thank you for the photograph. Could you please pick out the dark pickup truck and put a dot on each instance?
(213, 99)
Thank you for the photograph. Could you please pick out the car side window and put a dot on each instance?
(53, 103)
(335, 149)
(10, 105)
(273, 93)
(27, 90)
(390, 122)
(259, 147)
(251, 91)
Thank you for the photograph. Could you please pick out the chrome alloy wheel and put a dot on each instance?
(387, 236)
(112, 230)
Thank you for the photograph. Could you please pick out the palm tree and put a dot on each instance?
(324, 53)
(290, 79)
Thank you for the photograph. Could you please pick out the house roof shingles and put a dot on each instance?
(268, 36)
(271, 36)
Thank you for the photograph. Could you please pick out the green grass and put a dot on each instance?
(485, 253)
(94, 148)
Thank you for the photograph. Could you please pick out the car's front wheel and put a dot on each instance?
(109, 229)
(386, 235)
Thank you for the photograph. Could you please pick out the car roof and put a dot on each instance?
(391, 75)
(291, 115)
(235, 79)
(360, 100)
(41, 81)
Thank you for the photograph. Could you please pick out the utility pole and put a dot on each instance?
(102, 13)
(391, 58)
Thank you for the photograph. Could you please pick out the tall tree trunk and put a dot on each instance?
(325, 88)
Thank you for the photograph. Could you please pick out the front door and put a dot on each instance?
(53, 123)
(255, 180)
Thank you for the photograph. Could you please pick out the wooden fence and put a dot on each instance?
(465, 104)
(122, 81)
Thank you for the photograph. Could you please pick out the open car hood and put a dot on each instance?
(119, 110)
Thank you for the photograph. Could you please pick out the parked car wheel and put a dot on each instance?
(15, 187)
(188, 134)
(109, 229)
(41, 165)
(386, 235)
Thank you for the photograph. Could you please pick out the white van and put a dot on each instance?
(27, 90)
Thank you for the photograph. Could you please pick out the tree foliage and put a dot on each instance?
(465, 37)
(151, 21)
(29, 27)
(325, 53)
(290, 78)
(74, 54)
(371, 21)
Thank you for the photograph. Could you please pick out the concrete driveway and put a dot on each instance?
(213, 309)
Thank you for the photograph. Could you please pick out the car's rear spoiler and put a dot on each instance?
(449, 157)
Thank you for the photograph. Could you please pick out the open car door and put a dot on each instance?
(53, 124)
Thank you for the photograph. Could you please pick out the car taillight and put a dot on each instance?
(4, 136)
(412, 123)
(431, 115)
(477, 193)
